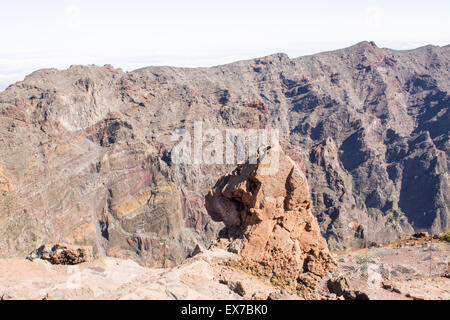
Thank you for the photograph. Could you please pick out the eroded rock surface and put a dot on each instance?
(269, 216)
(86, 152)
(393, 272)
(63, 254)
(111, 278)
(207, 276)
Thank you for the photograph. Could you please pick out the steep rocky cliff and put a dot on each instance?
(86, 151)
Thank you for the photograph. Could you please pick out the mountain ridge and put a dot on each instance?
(245, 60)
(87, 147)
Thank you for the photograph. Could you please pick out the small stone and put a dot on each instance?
(419, 235)
(332, 296)
(237, 287)
(359, 295)
(260, 296)
(7, 296)
(387, 285)
(275, 296)
(197, 250)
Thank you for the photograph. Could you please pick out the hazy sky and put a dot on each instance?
(132, 33)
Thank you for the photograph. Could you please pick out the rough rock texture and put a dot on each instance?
(269, 215)
(205, 277)
(393, 272)
(63, 254)
(338, 285)
(111, 278)
(86, 151)
(341, 288)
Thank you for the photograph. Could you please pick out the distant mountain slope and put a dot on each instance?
(86, 151)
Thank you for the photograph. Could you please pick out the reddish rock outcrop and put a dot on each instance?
(269, 216)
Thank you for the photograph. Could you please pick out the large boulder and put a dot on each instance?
(63, 254)
(269, 215)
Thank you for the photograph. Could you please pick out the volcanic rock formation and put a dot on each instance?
(269, 216)
(63, 254)
(86, 152)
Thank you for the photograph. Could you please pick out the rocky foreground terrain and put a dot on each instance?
(86, 152)
(416, 271)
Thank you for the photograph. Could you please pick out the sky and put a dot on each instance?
(192, 33)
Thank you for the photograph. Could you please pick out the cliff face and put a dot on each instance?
(86, 151)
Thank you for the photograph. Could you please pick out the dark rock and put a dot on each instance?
(387, 285)
(88, 148)
(63, 254)
(338, 285)
(359, 295)
(197, 250)
(419, 235)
